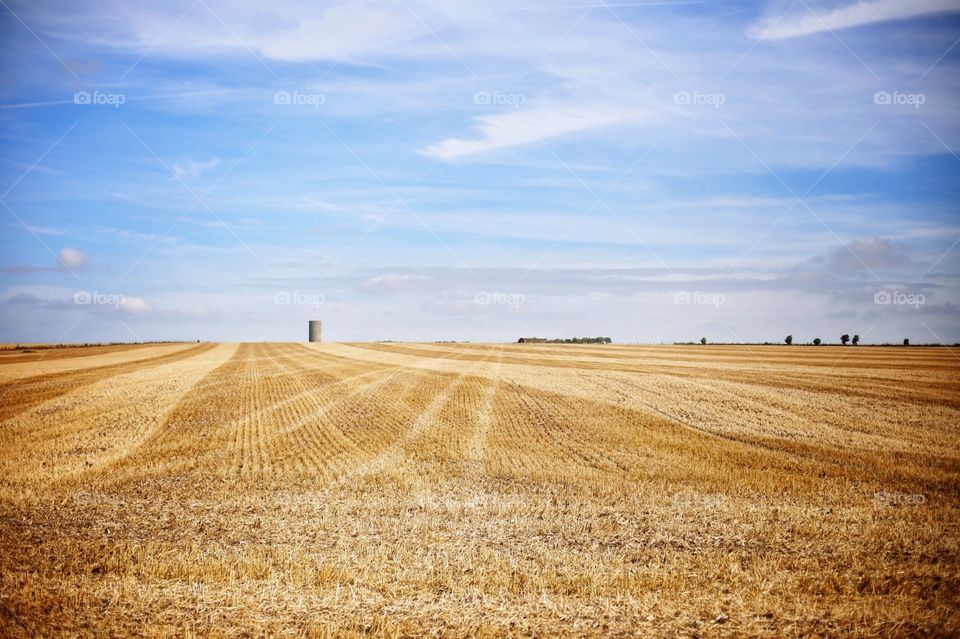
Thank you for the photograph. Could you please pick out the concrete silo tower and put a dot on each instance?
(315, 328)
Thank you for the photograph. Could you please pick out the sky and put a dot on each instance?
(652, 171)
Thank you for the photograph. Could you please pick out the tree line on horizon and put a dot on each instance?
(844, 340)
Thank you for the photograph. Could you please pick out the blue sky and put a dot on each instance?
(652, 171)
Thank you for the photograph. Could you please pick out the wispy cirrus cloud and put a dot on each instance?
(806, 21)
(194, 169)
(505, 130)
(44, 230)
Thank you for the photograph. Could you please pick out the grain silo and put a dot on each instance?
(315, 327)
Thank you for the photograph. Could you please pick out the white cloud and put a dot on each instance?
(134, 304)
(397, 283)
(44, 230)
(860, 255)
(71, 258)
(193, 169)
(505, 130)
(856, 14)
(601, 65)
(287, 30)
(340, 32)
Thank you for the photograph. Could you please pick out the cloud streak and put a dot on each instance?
(807, 22)
(536, 124)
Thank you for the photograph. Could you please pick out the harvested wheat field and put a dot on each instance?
(480, 490)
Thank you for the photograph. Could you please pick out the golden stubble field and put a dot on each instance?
(479, 490)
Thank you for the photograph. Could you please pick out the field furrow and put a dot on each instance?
(92, 427)
(17, 395)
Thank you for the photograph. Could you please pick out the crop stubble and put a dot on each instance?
(403, 489)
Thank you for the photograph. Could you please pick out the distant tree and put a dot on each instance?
(816, 341)
(906, 341)
(856, 340)
(844, 339)
(703, 340)
(788, 340)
